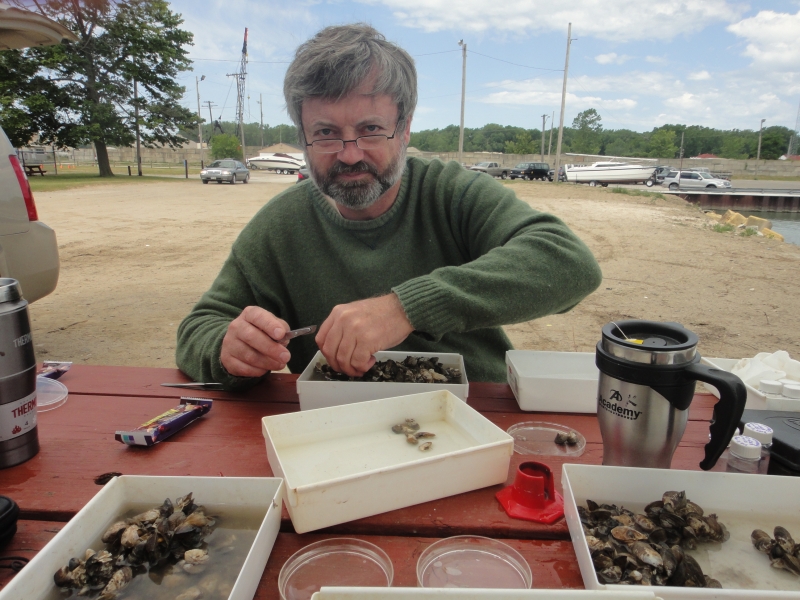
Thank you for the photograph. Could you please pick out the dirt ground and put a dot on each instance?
(135, 258)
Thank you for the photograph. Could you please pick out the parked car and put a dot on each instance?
(227, 169)
(492, 168)
(693, 180)
(561, 175)
(657, 178)
(530, 171)
(303, 174)
(28, 247)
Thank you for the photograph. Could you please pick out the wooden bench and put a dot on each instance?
(34, 170)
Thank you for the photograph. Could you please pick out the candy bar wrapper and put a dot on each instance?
(53, 369)
(165, 424)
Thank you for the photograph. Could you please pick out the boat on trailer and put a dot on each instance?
(276, 161)
(603, 173)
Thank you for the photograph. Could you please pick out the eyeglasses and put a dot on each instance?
(365, 142)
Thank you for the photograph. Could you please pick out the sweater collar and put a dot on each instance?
(329, 210)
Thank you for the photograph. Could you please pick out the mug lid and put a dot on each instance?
(653, 336)
(9, 290)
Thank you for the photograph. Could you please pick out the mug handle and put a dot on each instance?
(727, 412)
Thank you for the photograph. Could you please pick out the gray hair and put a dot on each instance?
(339, 59)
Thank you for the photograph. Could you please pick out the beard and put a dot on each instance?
(359, 195)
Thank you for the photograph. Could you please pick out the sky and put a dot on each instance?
(640, 64)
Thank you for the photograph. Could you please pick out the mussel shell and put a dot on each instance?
(694, 574)
(644, 553)
(627, 534)
(713, 583)
(670, 520)
(602, 561)
(610, 575)
(645, 523)
(674, 501)
(784, 538)
(761, 541)
(653, 509)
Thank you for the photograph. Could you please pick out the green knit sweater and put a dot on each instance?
(460, 250)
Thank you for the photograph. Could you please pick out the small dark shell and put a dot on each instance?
(627, 534)
(761, 541)
(645, 523)
(694, 574)
(592, 505)
(602, 561)
(653, 509)
(713, 583)
(670, 520)
(610, 575)
(784, 538)
(645, 554)
(674, 501)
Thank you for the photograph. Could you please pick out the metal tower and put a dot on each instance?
(240, 80)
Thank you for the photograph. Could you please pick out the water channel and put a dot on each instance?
(785, 223)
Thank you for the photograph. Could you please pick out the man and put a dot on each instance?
(381, 251)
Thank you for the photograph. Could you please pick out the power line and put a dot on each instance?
(516, 64)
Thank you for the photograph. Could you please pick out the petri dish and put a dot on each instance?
(334, 562)
(50, 394)
(468, 561)
(538, 437)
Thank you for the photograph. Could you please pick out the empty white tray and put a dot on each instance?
(742, 503)
(344, 462)
(553, 381)
(35, 581)
(316, 392)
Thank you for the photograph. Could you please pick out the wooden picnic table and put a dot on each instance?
(35, 170)
(77, 444)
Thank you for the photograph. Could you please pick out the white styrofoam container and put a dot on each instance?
(742, 503)
(35, 581)
(316, 392)
(344, 462)
(755, 399)
(553, 381)
(364, 593)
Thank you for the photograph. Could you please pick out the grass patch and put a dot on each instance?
(747, 232)
(635, 192)
(721, 228)
(73, 178)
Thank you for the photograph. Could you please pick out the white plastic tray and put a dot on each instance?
(315, 392)
(553, 381)
(344, 462)
(35, 581)
(353, 593)
(755, 399)
(742, 503)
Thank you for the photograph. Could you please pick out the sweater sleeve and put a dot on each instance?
(200, 334)
(520, 264)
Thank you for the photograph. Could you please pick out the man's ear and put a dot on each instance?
(407, 129)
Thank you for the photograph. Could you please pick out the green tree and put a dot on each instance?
(87, 91)
(733, 147)
(662, 144)
(587, 137)
(522, 144)
(226, 145)
(774, 143)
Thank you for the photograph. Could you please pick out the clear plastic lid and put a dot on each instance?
(50, 394)
(466, 561)
(549, 439)
(334, 562)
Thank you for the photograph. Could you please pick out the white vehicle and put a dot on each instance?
(693, 180)
(28, 248)
(282, 163)
(607, 172)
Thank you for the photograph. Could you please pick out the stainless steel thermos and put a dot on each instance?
(648, 372)
(19, 438)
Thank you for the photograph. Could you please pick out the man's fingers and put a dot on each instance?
(245, 353)
(239, 369)
(261, 343)
(265, 321)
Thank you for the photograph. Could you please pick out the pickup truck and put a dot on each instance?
(492, 168)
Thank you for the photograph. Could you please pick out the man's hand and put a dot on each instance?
(252, 345)
(353, 332)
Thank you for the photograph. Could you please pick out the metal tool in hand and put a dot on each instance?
(290, 335)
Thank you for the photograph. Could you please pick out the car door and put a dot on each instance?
(689, 180)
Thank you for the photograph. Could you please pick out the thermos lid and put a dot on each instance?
(744, 446)
(9, 290)
(760, 432)
(650, 342)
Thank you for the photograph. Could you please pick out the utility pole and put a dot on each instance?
(550, 143)
(544, 120)
(261, 107)
(463, 95)
(136, 119)
(758, 155)
(199, 116)
(556, 178)
(680, 169)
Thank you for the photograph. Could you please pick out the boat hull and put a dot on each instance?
(626, 174)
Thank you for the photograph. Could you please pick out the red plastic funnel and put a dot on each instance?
(532, 496)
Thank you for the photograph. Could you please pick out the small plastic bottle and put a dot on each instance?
(763, 434)
(743, 455)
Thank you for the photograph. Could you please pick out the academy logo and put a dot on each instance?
(619, 407)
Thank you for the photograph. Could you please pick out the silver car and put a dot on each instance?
(693, 180)
(227, 169)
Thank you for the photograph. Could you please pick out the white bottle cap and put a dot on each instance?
(760, 432)
(745, 447)
(791, 391)
(787, 381)
(770, 386)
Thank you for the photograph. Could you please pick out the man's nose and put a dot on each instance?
(351, 153)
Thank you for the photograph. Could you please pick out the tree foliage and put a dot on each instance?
(587, 128)
(226, 145)
(84, 91)
(662, 144)
(522, 144)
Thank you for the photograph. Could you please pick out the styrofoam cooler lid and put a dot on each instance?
(770, 386)
(760, 432)
(50, 394)
(744, 446)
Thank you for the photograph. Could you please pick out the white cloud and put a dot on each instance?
(618, 20)
(700, 76)
(773, 39)
(659, 60)
(611, 58)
